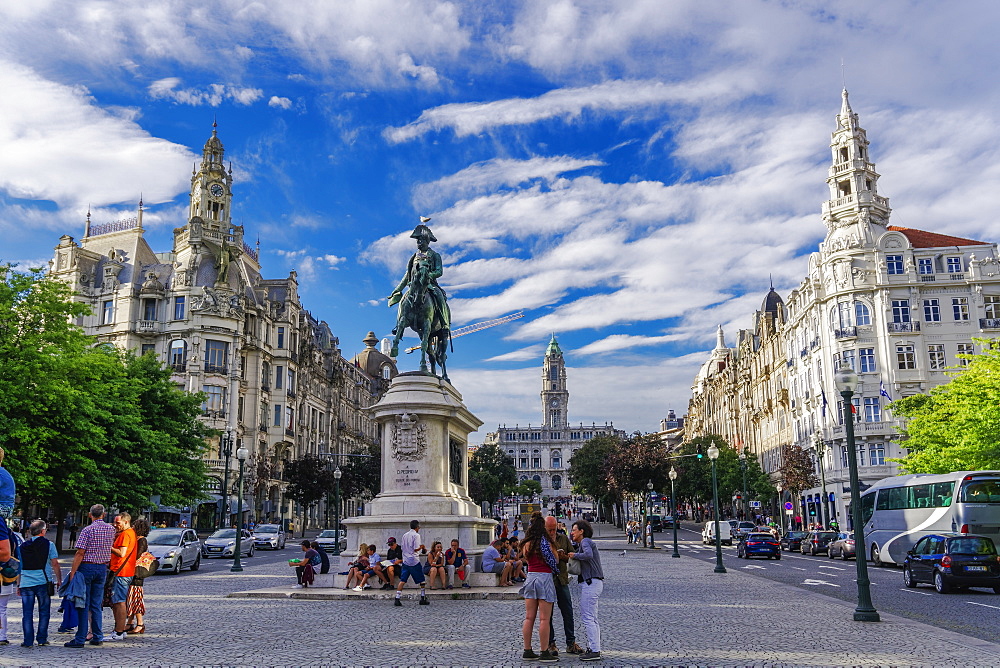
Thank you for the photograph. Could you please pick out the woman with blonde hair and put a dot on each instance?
(358, 566)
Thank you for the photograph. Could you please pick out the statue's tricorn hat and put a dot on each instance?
(421, 231)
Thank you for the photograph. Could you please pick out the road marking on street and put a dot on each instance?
(836, 568)
(913, 591)
(816, 583)
(797, 568)
(983, 605)
(757, 567)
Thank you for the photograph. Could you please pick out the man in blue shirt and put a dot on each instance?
(39, 566)
(494, 562)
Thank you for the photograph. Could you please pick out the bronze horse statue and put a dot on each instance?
(424, 308)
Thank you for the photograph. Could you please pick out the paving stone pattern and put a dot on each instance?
(656, 611)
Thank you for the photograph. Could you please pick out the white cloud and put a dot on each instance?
(212, 96)
(59, 145)
(332, 260)
(472, 118)
(279, 102)
(521, 355)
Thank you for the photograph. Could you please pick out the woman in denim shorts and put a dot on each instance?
(539, 590)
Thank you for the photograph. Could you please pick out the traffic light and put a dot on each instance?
(699, 451)
(812, 512)
(663, 498)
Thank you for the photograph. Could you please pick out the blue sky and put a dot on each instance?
(628, 174)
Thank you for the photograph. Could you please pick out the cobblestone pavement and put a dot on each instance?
(656, 611)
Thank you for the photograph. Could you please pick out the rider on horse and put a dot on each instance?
(422, 272)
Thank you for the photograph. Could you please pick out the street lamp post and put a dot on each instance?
(713, 454)
(673, 505)
(226, 450)
(649, 495)
(336, 511)
(847, 383)
(781, 510)
(824, 509)
(241, 454)
(743, 466)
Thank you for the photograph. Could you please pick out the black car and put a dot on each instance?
(950, 560)
(792, 540)
(656, 522)
(817, 541)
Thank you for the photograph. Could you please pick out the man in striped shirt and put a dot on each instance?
(93, 552)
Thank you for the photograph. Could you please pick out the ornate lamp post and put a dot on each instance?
(781, 510)
(649, 495)
(743, 467)
(241, 454)
(847, 382)
(673, 505)
(336, 511)
(713, 454)
(226, 450)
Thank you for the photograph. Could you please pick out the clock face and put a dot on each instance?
(554, 403)
(216, 190)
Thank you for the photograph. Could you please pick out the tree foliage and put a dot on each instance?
(694, 479)
(362, 476)
(82, 423)
(528, 488)
(588, 468)
(491, 474)
(957, 426)
(797, 470)
(309, 479)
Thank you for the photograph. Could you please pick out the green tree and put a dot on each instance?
(797, 471)
(588, 470)
(362, 476)
(309, 479)
(528, 488)
(957, 426)
(491, 474)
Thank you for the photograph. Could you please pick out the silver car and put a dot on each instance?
(327, 538)
(270, 536)
(222, 543)
(176, 549)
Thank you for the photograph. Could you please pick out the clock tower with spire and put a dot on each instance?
(555, 396)
(212, 185)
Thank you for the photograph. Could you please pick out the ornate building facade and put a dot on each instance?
(899, 305)
(542, 452)
(274, 377)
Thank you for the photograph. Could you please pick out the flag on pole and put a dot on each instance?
(882, 391)
(822, 393)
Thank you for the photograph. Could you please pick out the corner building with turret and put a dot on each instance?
(542, 452)
(274, 377)
(899, 305)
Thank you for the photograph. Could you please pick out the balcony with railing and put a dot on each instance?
(178, 367)
(148, 326)
(846, 333)
(989, 323)
(903, 327)
(289, 431)
(215, 368)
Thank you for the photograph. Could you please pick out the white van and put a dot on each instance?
(725, 533)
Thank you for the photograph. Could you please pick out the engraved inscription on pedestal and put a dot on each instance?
(409, 438)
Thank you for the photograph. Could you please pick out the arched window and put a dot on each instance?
(178, 354)
(523, 478)
(556, 459)
(536, 478)
(386, 372)
(557, 482)
(862, 316)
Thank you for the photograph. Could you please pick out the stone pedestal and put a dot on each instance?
(425, 448)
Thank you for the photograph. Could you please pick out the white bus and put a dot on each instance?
(899, 511)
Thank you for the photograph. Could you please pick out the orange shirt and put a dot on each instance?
(126, 539)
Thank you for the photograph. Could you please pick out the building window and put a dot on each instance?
(932, 310)
(557, 482)
(536, 436)
(215, 400)
(290, 416)
(277, 415)
(873, 409)
(281, 337)
(536, 478)
(279, 377)
(291, 380)
(848, 358)
(954, 265)
(386, 372)
(842, 316)
(178, 355)
(894, 264)
(867, 360)
(108, 312)
(901, 310)
(216, 354)
(960, 307)
(147, 348)
(524, 462)
(536, 462)
(905, 358)
(149, 309)
(925, 265)
(992, 306)
(861, 454)
(965, 349)
(843, 456)
(239, 408)
(179, 308)
(265, 376)
(862, 315)
(935, 353)
(878, 454)
(556, 459)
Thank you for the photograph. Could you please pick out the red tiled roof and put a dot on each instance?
(922, 239)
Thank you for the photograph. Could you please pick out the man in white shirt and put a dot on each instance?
(411, 563)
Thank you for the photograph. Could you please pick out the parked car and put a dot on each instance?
(817, 541)
(222, 543)
(842, 546)
(758, 545)
(175, 548)
(725, 533)
(668, 522)
(743, 529)
(269, 536)
(792, 540)
(328, 537)
(656, 521)
(950, 560)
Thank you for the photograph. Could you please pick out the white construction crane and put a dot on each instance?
(469, 329)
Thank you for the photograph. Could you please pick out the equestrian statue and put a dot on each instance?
(424, 307)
